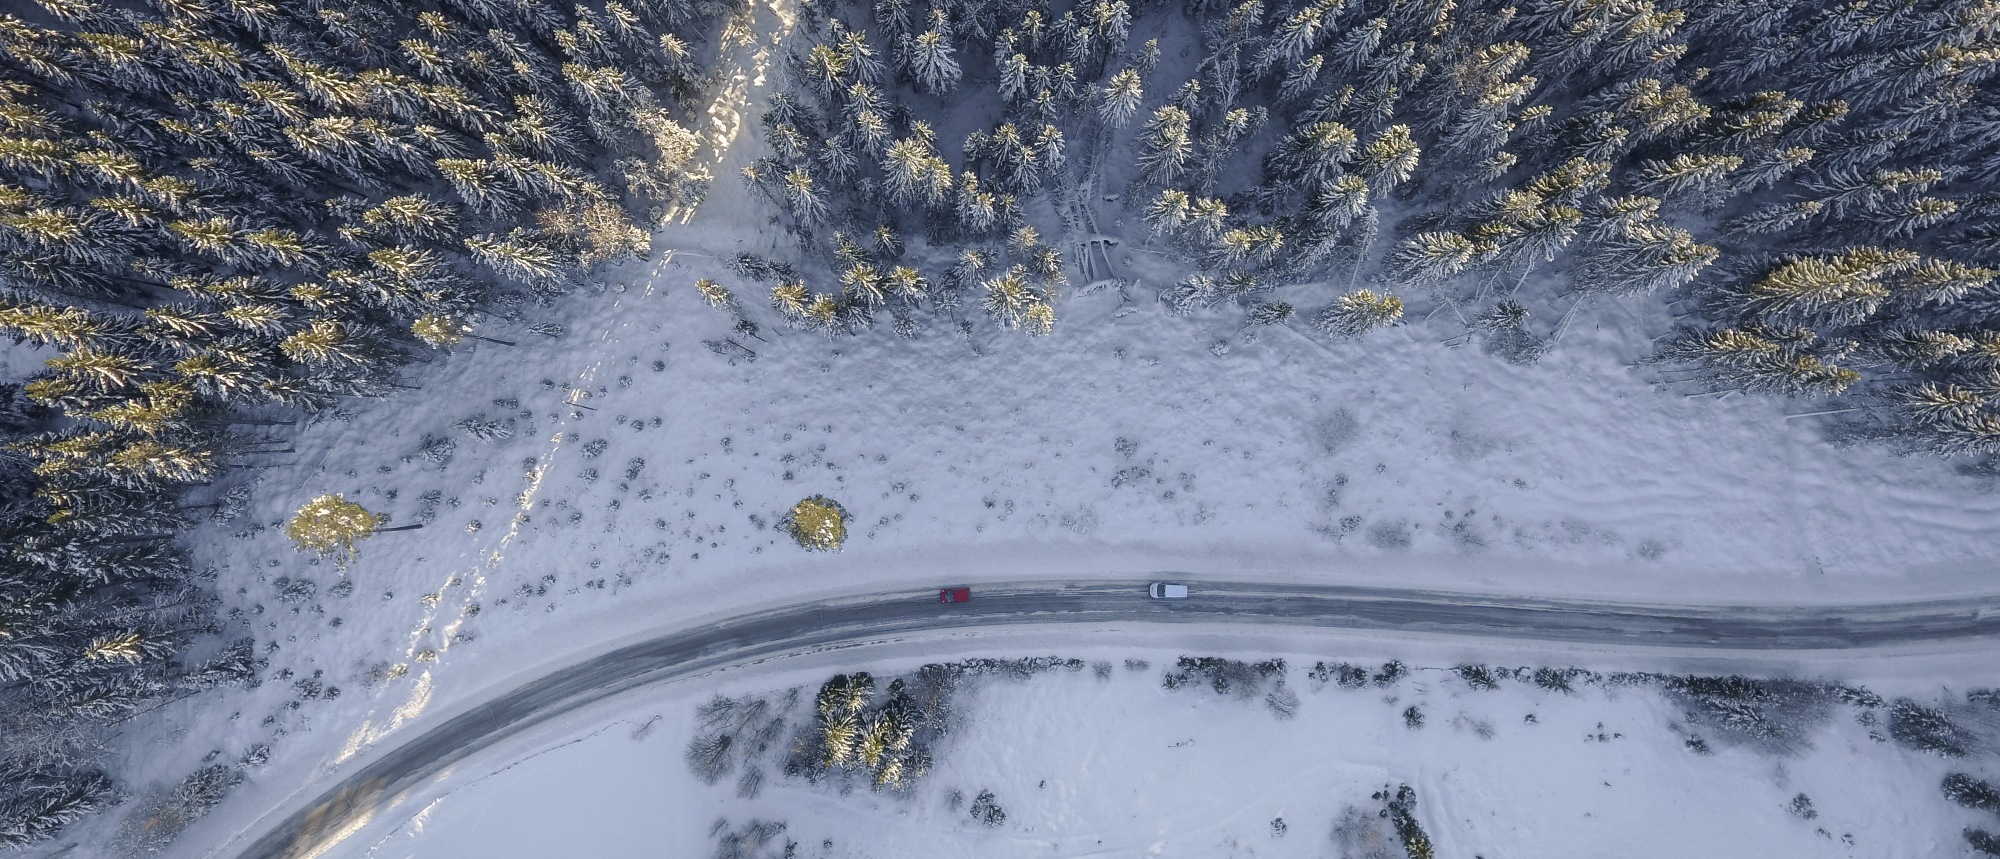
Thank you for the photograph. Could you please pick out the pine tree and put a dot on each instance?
(1312, 156)
(1643, 257)
(932, 63)
(43, 803)
(1122, 96)
(1013, 301)
(1686, 176)
(1301, 80)
(1838, 290)
(1168, 145)
(1388, 160)
(1435, 256)
(1358, 312)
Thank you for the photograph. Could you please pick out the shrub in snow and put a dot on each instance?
(237, 663)
(1971, 792)
(986, 809)
(1392, 671)
(758, 839)
(156, 823)
(817, 523)
(727, 726)
(1348, 676)
(751, 784)
(1016, 669)
(1556, 679)
(1477, 676)
(1401, 809)
(290, 591)
(1225, 676)
(1777, 715)
(1982, 841)
(1923, 729)
(331, 525)
(1802, 806)
(1362, 834)
(482, 429)
(1284, 703)
(708, 755)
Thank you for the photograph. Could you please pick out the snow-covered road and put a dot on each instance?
(856, 619)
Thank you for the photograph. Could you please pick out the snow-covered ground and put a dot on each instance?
(1085, 765)
(641, 474)
(1392, 460)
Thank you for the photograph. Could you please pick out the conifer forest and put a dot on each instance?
(220, 216)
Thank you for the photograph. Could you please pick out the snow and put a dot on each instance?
(1392, 460)
(1571, 477)
(1124, 768)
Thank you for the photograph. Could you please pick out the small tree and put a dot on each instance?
(817, 523)
(331, 525)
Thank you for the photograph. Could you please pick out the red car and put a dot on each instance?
(955, 595)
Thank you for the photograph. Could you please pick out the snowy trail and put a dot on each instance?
(310, 830)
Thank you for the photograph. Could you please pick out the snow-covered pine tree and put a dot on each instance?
(933, 63)
(1358, 312)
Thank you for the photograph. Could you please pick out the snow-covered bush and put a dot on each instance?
(1346, 675)
(155, 823)
(756, 839)
(1777, 715)
(1226, 676)
(986, 809)
(1401, 807)
(1971, 792)
(1924, 729)
(1985, 842)
(1477, 676)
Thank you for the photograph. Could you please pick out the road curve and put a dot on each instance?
(802, 627)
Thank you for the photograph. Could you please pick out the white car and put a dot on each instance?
(1167, 591)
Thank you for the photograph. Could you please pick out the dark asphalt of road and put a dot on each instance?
(806, 627)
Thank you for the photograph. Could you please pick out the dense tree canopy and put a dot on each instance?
(214, 210)
(1812, 180)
